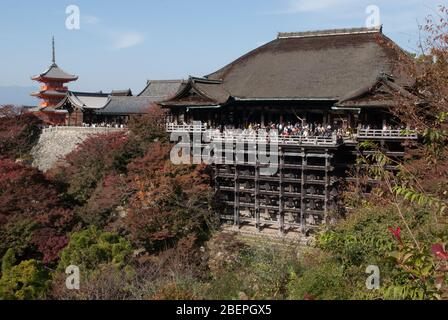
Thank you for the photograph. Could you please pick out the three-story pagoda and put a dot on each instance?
(53, 84)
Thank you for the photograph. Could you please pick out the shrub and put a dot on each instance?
(18, 133)
(91, 248)
(25, 191)
(174, 291)
(101, 208)
(146, 129)
(258, 273)
(170, 202)
(88, 164)
(8, 260)
(26, 281)
(364, 237)
(17, 235)
(325, 281)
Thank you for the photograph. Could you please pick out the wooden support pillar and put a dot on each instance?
(303, 191)
(208, 119)
(236, 190)
(257, 195)
(281, 213)
(256, 186)
(217, 186)
(325, 119)
(357, 167)
(327, 185)
(216, 172)
(262, 120)
(237, 199)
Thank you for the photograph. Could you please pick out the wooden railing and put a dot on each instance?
(238, 135)
(315, 141)
(82, 129)
(185, 128)
(387, 134)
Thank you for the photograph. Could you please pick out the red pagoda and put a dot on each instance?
(53, 84)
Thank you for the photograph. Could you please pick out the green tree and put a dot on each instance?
(9, 260)
(26, 281)
(91, 248)
(17, 235)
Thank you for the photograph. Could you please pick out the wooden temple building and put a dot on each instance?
(117, 107)
(345, 80)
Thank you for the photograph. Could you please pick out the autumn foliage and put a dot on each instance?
(18, 132)
(119, 186)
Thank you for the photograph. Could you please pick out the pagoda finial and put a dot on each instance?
(54, 53)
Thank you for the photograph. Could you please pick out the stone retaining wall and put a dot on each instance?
(57, 142)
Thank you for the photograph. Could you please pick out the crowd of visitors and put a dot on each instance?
(336, 130)
(303, 130)
(104, 125)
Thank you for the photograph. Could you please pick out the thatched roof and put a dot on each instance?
(322, 65)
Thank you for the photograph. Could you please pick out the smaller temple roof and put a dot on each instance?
(117, 105)
(85, 100)
(161, 89)
(121, 102)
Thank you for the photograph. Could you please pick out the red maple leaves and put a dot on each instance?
(439, 251)
(396, 234)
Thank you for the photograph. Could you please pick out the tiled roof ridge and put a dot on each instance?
(329, 32)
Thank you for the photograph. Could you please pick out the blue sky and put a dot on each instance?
(121, 44)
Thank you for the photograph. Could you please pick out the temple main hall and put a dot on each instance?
(324, 93)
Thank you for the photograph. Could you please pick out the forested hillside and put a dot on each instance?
(140, 227)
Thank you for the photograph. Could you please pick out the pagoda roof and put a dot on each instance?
(55, 93)
(55, 73)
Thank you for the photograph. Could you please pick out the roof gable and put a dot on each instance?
(199, 92)
(381, 93)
